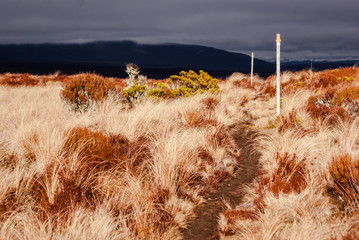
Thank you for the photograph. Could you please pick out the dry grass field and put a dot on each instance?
(308, 183)
(120, 170)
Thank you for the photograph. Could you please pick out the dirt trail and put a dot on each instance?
(205, 224)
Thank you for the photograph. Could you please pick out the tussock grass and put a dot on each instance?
(120, 171)
(112, 172)
(307, 188)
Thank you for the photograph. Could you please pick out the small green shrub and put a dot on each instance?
(159, 90)
(156, 92)
(135, 93)
(132, 70)
(136, 84)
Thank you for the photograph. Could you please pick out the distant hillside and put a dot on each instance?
(109, 58)
(317, 65)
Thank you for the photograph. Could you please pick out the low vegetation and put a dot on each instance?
(308, 183)
(81, 158)
(89, 157)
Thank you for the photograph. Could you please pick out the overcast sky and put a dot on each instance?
(309, 28)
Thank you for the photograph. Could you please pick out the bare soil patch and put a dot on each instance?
(231, 190)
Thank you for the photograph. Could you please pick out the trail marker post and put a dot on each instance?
(278, 40)
(252, 69)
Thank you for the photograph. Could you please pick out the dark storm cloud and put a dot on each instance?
(321, 27)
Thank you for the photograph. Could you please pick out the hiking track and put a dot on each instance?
(204, 225)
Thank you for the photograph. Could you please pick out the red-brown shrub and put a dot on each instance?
(333, 77)
(198, 118)
(80, 91)
(293, 85)
(289, 121)
(8, 204)
(346, 95)
(243, 83)
(215, 179)
(344, 172)
(9, 160)
(239, 214)
(74, 188)
(316, 110)
(270, 90)
(15, 80)
(210, 103)
(29, 143)
(326, 79)
(52, 193)
(288, 177)
(321, 107)
(138, 154)
(220, 138)
(206, 158)
(102, 152)
(193, 118)
(76, 185)
(244, 100)
(233, 215)
(351, 235)
(96, 149)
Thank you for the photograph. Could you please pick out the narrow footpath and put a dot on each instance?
(204, 226)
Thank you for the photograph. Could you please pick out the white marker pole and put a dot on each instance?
(252, 69)
(278, 74)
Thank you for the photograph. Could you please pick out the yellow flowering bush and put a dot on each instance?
(190, 83)
(136, 84)
(159, 90)
(183, 85)
(135, 93)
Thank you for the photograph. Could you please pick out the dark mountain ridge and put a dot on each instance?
(111, 57)
(317, 65)
(155, 60)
